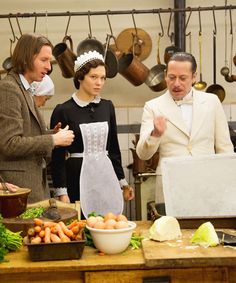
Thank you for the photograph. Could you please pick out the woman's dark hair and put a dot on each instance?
(80, 74)
(26, 48)
(184, 57)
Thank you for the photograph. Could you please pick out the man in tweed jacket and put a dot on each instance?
(24, 141)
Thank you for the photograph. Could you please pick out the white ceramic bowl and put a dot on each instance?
(112, 241)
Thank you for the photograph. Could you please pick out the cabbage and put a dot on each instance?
(205, 236)
(165, 228)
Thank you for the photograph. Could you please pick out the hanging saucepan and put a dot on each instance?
(170, 50)
(156, 78)
(111, 60)
(90, 43)
(7, 63)
(216, 88)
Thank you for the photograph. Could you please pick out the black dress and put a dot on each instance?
(66, 171)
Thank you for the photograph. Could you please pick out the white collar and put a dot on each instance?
(82, 103)
(26, 84)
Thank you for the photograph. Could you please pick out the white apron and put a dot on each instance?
(100, 190)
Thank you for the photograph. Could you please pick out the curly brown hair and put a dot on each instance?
(80, 74)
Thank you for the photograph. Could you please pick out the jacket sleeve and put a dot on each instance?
(147, 145)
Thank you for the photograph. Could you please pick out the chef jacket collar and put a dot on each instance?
(82, 103)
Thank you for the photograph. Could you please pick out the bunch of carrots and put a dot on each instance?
(52, 232)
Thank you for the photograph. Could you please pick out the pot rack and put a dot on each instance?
(179, 12)
(117, 12)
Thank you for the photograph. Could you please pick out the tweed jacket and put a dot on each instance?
(209, 133)
(24, 140)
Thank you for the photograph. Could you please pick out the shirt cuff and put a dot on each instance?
(60, 191)
(123, 183)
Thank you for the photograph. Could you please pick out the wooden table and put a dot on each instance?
(167, 261)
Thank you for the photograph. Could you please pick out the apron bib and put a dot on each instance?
(100, 190)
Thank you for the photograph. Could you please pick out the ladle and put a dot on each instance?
(201, 84)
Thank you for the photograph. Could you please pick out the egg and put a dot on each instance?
(99, 225)
(91, 221)
(100, 219)
(110, 222)
(109, 215)
(121, 225)
(121, 217)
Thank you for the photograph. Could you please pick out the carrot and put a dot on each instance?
(75, 229)
(54, 229)
(61, 234)
(66, 231)
(49, 224)
(54, 238)
(47, 238)
(72, 224)
(36, 240)
(38, 221)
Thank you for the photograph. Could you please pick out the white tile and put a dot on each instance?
(135, 115)
(121, 116)
(233, 112)
(123, 141)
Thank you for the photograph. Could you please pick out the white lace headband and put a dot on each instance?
(87, 57)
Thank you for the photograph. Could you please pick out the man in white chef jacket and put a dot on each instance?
(182, 121)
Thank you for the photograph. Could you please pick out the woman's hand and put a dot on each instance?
(128, 193)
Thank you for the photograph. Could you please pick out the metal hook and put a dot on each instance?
(18, 24)
(109, 23)
(168, 30)
(68, 23)
(187, 22)
(214, 18)
(136, 32)
(35, 22)
(200, 22)
(89, 22)
(12, 30)
(230, 16)
(161, 34)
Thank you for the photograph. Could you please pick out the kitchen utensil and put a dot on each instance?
(90, 43)
(226, 239)
(200, 85)
(112, 241)
(111, 60)
(170, 50)
(65, 57)
(156, 78)
(215, 88)
(13, 204)
(125, 42)
(56, 251)
(52, 212)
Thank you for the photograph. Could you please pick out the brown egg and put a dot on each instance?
(109, 215)
(121, 225)
(110, 222)
(99, 225)
(121, 217)
(91, 221)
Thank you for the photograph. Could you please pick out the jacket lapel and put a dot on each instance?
(168, 108)
(28, 98)
(199, 112)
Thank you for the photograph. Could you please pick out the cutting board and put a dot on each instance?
(200, 186)
(16, 224)
(179, 253)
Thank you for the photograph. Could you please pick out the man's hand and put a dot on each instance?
(63, 137)
(159, 126)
